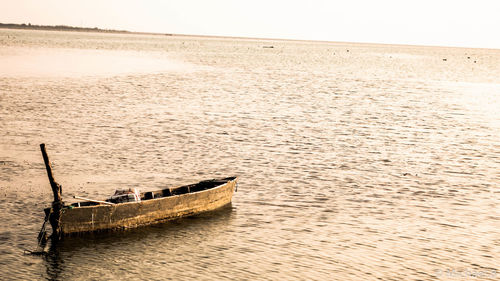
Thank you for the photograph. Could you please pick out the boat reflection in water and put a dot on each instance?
(85, 251)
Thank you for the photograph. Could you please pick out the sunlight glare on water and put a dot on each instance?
(57, 62)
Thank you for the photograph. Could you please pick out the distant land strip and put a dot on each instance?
(71, 28)
(96, 29)
(30, 26)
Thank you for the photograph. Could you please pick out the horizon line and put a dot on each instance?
(70, 28)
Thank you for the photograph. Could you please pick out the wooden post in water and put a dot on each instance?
(57, 204)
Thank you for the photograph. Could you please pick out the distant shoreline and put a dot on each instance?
(30, 26)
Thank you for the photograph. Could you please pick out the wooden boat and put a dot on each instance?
(153, 207)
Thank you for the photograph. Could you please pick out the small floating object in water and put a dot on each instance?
(445, 59)
(268, 47)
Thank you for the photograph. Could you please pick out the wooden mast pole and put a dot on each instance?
(57, 190)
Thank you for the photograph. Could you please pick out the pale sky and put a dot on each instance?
(466, 23)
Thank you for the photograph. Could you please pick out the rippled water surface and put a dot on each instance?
(356, 161)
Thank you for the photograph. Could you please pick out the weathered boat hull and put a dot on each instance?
(171, 205)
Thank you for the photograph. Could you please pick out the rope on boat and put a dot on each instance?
(42, 235)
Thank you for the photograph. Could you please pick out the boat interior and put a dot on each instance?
(167, 192)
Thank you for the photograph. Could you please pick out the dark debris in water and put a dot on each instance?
(34, 253)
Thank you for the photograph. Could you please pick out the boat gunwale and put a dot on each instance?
(165, 197)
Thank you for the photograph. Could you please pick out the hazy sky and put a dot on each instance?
(468, 23)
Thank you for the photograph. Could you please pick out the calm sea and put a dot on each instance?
(356, 161)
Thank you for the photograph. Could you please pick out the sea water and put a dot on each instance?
(355, 161)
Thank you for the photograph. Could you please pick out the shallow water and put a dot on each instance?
(356, 162)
